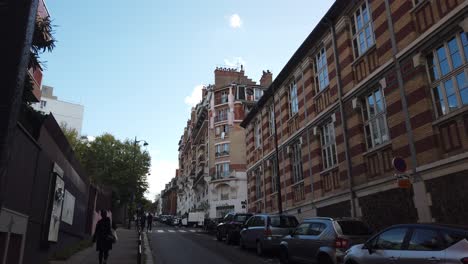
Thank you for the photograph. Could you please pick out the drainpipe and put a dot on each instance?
(422, 206)
(343, 120)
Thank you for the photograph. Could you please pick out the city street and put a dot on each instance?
(191, 245)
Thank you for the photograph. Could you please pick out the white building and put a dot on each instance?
(64, 112)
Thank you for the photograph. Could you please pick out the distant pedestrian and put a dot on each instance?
(103, 236)
(142, 221)
(149, 225)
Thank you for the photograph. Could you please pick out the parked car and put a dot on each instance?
(413, 244)
(230, 226)
(323, 240)
(264, 232)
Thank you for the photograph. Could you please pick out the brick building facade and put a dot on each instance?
(374, 80)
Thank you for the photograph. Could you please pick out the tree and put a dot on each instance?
(121, 165)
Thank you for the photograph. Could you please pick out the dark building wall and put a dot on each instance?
(387, 208)
(449, 198)
(342, 209)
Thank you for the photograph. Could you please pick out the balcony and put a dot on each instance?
(452, 132)
(298, 192)
(379, 161)
(221, 154)
(220, 118)
(330, 180)
(293, 124)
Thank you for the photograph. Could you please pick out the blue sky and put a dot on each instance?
(134, 65)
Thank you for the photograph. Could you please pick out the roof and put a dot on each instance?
(297, 57)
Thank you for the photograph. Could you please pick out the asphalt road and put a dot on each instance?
(172, 245)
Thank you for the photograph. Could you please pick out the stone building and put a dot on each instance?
(212, 160)
(374, 80)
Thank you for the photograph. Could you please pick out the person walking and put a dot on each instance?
(142, 221)
(149, 225)
(104, 237)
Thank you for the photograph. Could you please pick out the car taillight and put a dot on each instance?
(268, 232)
(464, 260)
(341, 243)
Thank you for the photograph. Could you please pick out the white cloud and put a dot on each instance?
(195, 97)
(162, 171)
(235, 62)
(235, 21)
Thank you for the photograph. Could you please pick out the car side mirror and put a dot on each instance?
(369, 248)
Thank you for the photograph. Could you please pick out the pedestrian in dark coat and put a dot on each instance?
(142, 221)
(149, 225)
(103, 237)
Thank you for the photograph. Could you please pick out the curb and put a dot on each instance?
(147, 253)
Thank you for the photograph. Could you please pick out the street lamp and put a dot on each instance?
(135, 142)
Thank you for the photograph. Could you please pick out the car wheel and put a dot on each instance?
(323, 259)
(259, 248)
(218, 235)
(228, 238)
(284, 256)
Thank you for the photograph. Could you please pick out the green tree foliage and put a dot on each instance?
(121, 165)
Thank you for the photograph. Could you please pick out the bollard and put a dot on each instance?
(139, 248)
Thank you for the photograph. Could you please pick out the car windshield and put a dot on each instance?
(354, 228)
(283, 221)
(241, 218)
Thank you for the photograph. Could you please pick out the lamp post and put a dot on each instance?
(135, 142)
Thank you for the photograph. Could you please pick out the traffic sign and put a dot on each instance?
(399, 164)
(403, 182)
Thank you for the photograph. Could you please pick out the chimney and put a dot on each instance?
(266, 79)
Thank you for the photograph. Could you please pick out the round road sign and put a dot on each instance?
(399, 164)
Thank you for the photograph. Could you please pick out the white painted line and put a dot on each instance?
(160, 231)
(171, 231)
(183, 231)
(191, 230)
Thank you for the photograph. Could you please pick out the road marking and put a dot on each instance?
(191, 230)
(183, 231)
(171, 231)
(160, 231)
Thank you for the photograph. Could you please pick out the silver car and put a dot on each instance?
(264, 232)
(413, 244)
(323, 240)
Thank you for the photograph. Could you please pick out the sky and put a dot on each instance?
(138, 66)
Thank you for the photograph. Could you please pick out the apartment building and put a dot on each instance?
(212, 159)
(374, 80)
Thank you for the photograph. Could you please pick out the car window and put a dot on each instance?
(316, 229)
(424, 240)
(241, 218)
(282, 221)
(302, 229)
(452, 237)
(391, 239)
(354, 228)
(228, 218)
(259, 221)
(249, 222)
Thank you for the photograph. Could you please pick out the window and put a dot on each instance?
(391, 239)
(240, 93)
(224, 96)
(293, 101)
(222, 170)
(302, 229)
(219, 130)
(274, 175)
(282, 221)
(329, 156)
(43, 103)
(257, 94)
(222, 149)
(447, 69)
(258, 184)
(354, 228)
(296, 162)
(271, 119)
(316, 229)
(321, 70)
(363, 34)
(258, 134)
(375, 122)
(221, 115)
(259, 221)
(425, 240)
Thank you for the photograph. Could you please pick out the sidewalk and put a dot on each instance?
(123, 252)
